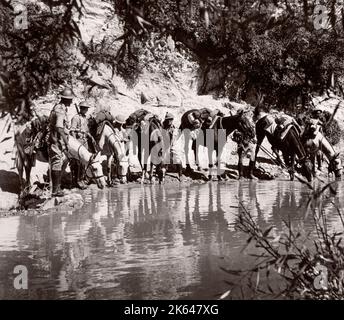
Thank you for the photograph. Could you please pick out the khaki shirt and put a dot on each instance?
(58, 119)
(80, 125)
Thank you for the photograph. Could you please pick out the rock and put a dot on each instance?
(72, 200)
(8, 201)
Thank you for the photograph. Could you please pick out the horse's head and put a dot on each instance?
(335, 166)
(94, 170)
(244, 125)
(312, 127)
(307, 169)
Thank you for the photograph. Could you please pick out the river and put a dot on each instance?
(145, 242)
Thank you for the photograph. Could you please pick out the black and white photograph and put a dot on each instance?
(179, 150)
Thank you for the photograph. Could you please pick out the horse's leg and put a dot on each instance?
(312, 159)
(292, 167)
(187, 139)
(151, 172)
(109, 160)
(319, 157)
(162, 173)
(288, 163)
(19, 165)
(210, 164)
(240, 164)
(27, 175)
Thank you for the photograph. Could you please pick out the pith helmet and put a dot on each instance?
(196, 114)
(67, 94)
(120, 119)
(169, 116)
(84, 104)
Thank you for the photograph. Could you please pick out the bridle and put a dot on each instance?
(90, 163)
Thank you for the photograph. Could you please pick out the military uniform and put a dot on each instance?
(80, 130)
(79, 127)
(58, 119)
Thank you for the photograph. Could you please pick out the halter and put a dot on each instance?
(113, 133)
(90, 163)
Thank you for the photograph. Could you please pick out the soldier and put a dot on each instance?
(245, 147)
(79, 130)
(168, 124)
(58, 139)
(172, 156)
(118, 123)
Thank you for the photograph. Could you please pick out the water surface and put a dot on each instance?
(145, 242)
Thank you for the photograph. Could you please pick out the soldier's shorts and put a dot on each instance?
(56, 157)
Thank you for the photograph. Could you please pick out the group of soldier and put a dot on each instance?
(60, 128)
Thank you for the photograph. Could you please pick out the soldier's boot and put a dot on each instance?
(250, 171)
(240, 171)
(75, 177)
(56, 181)
(79, 174)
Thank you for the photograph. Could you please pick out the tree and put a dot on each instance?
(36, 54)
(244, 47)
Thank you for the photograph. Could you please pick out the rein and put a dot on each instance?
(90, 163)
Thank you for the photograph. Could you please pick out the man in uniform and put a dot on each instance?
(118, 123)
(171, 152)
(79, 130)
(58, 139)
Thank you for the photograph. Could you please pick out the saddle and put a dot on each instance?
(283, 126)
(101, 119)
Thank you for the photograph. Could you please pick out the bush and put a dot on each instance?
(307, 268)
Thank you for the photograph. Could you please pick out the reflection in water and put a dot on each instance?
(144, 242)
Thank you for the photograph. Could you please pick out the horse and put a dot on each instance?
(286, 140)
(315, 142)
(25, 161)
(226, 124)
(112, 146)
(147, 134)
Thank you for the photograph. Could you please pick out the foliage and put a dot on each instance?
(38, 56)
(245, 47)
(296, 257)
(332, 130)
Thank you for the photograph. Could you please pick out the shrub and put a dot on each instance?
(307, 268)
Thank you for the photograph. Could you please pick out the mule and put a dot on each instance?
(288, 141)
(227, 125)
(315, 142)
(76, 150)
(112, 146)
(148, 136)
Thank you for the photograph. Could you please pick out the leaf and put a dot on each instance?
(225, 295)
(266, 232)
(5, 139)
(233, 272)
(206, 18)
